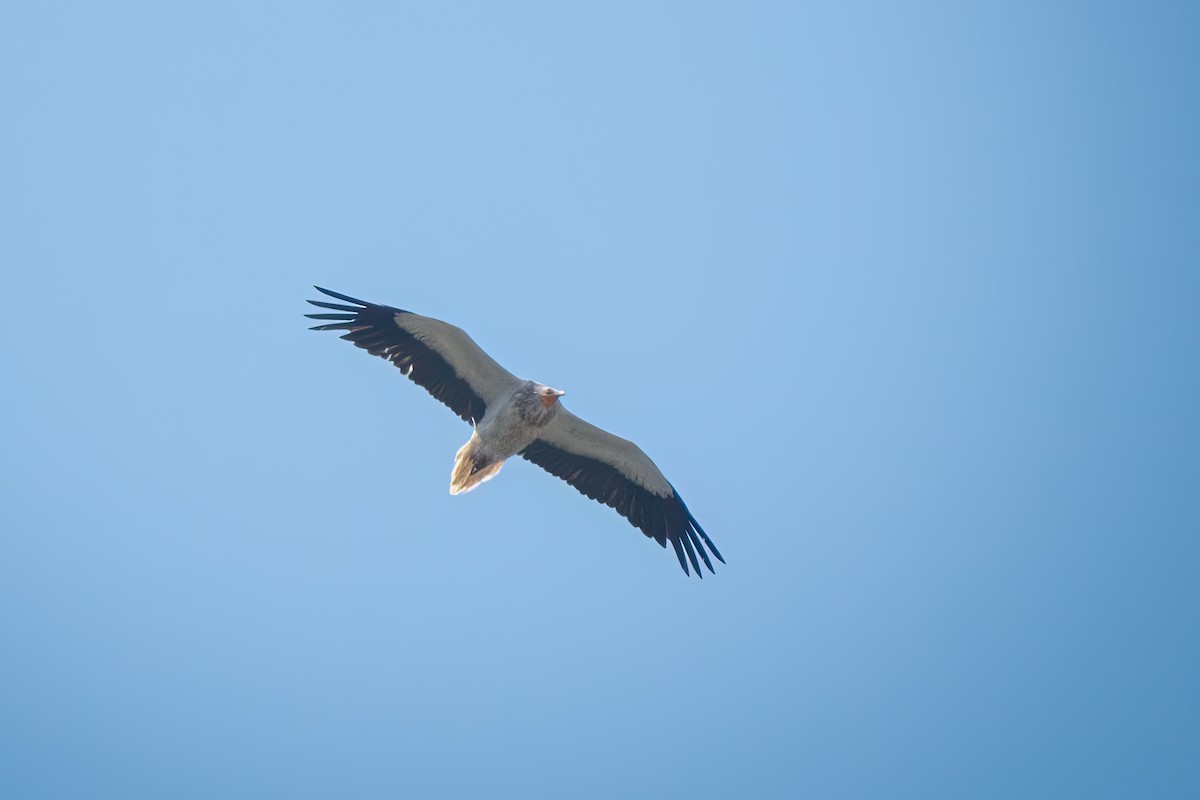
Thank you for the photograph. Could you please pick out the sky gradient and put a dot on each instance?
(902, 300)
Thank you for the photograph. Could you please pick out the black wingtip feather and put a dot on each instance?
(691, 552)
(680, 556)
(347, 298)
(695, 540)
(335, 306)
(704, 536)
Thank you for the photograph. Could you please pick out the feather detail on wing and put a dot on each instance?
(435, 355)
(615, 472)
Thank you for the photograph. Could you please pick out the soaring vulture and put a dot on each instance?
(511, 416)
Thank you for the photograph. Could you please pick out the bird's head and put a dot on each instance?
(537, 403)
(549, 396)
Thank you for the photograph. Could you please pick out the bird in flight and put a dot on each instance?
(511, 417)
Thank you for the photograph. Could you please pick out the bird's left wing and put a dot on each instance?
(615, 472)
(434, 354)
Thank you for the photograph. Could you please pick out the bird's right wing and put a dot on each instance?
(615, 472)
(434, 354)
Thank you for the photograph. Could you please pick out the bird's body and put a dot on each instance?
(511, 417)
(510, 425)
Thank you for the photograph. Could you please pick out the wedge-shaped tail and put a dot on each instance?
(472, 466)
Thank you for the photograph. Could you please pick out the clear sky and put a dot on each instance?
(903, 298)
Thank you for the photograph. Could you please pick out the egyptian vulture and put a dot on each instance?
(511, 416)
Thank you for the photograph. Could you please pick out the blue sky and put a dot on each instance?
(902, 299)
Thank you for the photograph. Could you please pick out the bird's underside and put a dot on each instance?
(511, 417)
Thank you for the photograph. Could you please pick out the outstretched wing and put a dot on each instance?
(615, 472)
(434, 354)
